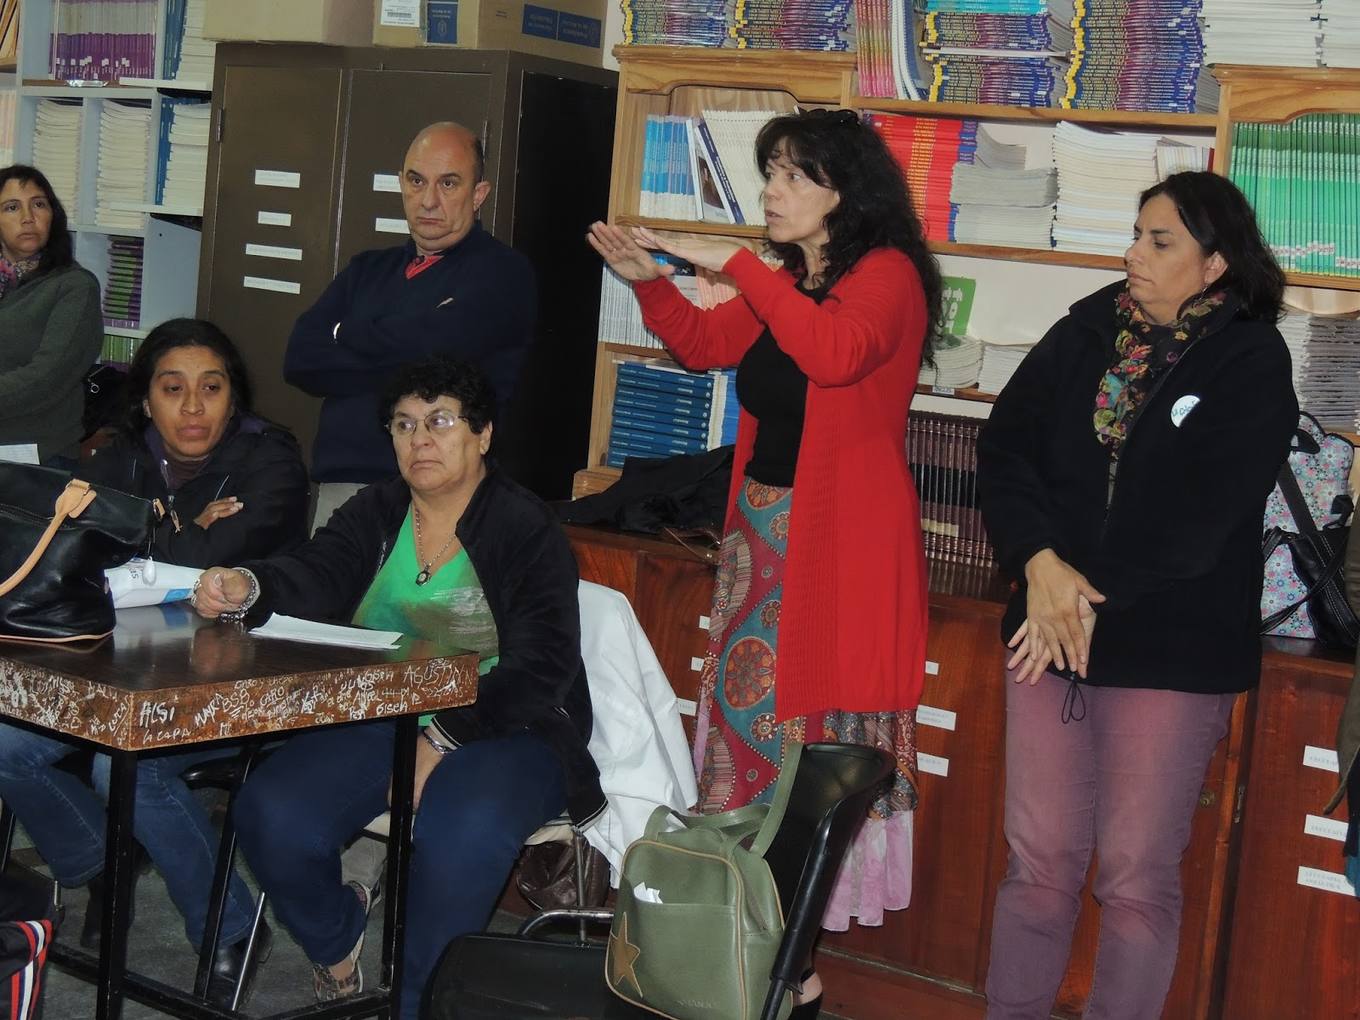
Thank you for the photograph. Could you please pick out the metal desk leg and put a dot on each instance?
(399, 860)
(217, 897)
(118, 885)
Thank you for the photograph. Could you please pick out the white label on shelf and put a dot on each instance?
(933, 764)
(278, 286)
(386, 225)
(274, 251)
(686, 707)
(1320, 758)
(703, 623)
(940, 718)
(696, 664)
(387, 183)
(402, 13)
(277, 179)
(1327, 881)
(932, 668)
(274, 219)
(1327, 828)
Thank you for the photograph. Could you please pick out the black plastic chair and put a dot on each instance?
(513, 976)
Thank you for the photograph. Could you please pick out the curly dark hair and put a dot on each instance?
(1219, 217)
(442, 376)
(839, 151)
(166, 337)
(59, 250)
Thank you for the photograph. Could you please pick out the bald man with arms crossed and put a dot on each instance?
(451, 289)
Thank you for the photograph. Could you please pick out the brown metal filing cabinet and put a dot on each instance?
(306, 148)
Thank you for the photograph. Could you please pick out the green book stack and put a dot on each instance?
(1302, 178)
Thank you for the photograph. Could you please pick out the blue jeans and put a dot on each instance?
(300, 807)
(67, 822)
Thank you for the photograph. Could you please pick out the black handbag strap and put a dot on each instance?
(1285, 612)
(70, 503)
(1293, 498)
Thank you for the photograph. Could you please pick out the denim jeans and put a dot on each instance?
(299, 808)
(67, 822)
(1121, 779)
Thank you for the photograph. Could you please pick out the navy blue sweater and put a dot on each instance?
(476, 303)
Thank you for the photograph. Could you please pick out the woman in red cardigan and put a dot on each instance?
(819, 616)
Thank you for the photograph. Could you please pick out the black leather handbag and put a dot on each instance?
(57, 537)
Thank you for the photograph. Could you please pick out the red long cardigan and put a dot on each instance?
(852, 627)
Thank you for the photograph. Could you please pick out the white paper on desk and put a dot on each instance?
(290, 628)
(20, 453)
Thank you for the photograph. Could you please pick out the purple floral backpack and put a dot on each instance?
(1304, 540)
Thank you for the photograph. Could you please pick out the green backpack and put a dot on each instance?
(698, 921)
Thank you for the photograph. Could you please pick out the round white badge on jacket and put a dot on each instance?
(1183, 407)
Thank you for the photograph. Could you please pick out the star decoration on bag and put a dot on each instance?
(622, 955)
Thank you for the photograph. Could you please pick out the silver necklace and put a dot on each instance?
(424, 574)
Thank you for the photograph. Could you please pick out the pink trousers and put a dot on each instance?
(1121, 778)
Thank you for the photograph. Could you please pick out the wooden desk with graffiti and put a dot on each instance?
(166, 679)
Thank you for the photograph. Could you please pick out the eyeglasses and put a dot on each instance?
(437, 423)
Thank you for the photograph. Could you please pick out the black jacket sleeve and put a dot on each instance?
(1233, 444)
(274, 495)
(539, 630)
(1011, 489)
(324, 578)
(313, 361)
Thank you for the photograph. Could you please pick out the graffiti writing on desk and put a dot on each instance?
(155, 713)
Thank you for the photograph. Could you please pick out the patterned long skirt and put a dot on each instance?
(738, 746)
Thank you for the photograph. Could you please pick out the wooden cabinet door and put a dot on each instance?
(386, 109)
(960, 728)
(270, 220)
(1295, 949)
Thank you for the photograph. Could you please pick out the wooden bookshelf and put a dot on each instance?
(956, 393)
(1130, 119)
(687, 80)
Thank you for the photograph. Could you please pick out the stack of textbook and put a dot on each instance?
(56, 150)
(996, 51)
(188, 57)
(123, 293)
(1300, 178)
(1341, 34)
(1279, 33)
(703, 168)
(124, 157)
(182, 170)
(740, 24)
(928, 149)
(1325, 351)
(661, 410)
(1143, 56)
(997, 201)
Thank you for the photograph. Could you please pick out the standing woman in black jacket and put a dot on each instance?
(235, 486)
(1123, 476)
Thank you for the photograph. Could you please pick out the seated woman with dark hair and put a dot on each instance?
(451, 549)
(51, 327)
(235, 486)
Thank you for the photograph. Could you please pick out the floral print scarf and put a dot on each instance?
(1143, 351)
(13, 273)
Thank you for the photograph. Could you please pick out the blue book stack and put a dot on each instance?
(659, 411)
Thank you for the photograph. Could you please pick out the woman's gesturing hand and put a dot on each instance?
(219, 590)
(624, 255)
(1054, 621)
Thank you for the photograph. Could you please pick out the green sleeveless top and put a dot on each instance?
(450, 607)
